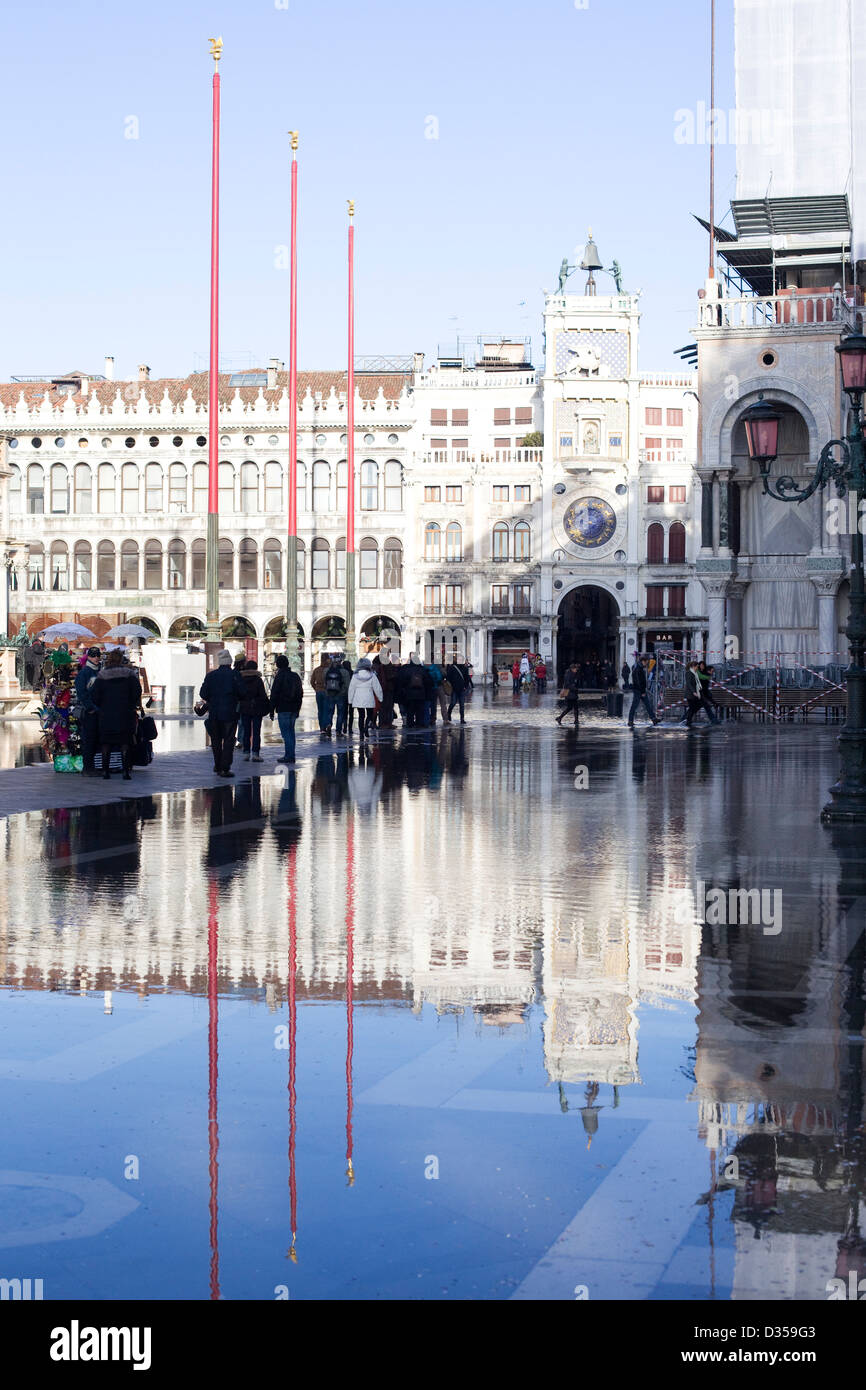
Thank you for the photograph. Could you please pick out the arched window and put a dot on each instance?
(454, 541)
(340, 563)
(15, 489)
(321, 575)
(321, 487)
(302, 487)
(677, 544)
(177, 488)
(59, 488)
(106, 484)
(105, 565)
(129, 489)
(342, 495)
(36, 489)
(59, 566)
(369, 564)
(392, 564)
(393, 486)
(153, 565)
(129, 565)
(83, 490)
(522, 536)
(176, 565)
(199, 487)
(198, 552)
(226, 564)
(35, 568)
(369, 486)
(273, 488)
(226, 478)
(249, 489)
(302, 565)
(500, 541)
(432, 541)
(248, 564)
(83, 565)
(273, 565)
(655, 544)
(153, 488)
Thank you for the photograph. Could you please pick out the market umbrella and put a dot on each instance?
(129, 630)
(65, 631)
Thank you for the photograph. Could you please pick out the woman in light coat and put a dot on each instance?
(364, 691)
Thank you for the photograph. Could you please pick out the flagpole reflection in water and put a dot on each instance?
(350, 988)
(292, 908)
(212, 1077)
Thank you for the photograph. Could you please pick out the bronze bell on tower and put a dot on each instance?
(591, 262)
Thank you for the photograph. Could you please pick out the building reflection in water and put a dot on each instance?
(497, 892)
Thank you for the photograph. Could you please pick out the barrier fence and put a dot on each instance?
(776, 686)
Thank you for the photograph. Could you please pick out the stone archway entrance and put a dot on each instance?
(587, 628)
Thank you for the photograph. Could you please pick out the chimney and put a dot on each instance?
(144, 373)
(109, 369)
(418, 363)
(273, 368)
(85, 386)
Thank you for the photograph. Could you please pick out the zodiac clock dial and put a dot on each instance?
(590, 522)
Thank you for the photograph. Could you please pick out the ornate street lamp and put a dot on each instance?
(843, 463)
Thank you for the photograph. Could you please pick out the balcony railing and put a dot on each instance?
(491, 456)
(788, 309)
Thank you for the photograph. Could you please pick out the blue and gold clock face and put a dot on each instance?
(590, 522)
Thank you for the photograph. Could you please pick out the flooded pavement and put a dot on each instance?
(487, 1014)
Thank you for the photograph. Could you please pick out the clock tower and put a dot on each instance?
(590, 557)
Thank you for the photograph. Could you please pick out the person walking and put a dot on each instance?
(525, 671)
(116, 694)
(345, 711)
(386, 672)
(438, 700)
(287, 696)
(222, 689)
(515, 677)
(626, 676)
(364, 690)
(254, 705)
(238, 664)
(705, 676)
(317, 681)
(540, 676)
(88, 719)
(454, 677)
(415, 689)
(639, 688)
(570, 694)
(332, 687)
(694, 694)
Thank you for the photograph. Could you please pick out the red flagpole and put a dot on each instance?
(350, 451)
(212, 543)
(292, 644)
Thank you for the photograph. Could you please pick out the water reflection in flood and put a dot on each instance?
(444, 1019)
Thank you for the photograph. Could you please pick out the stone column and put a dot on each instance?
(826, 573)
(706, 480)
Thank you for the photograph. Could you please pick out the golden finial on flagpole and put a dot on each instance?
(350, 1175)
(351, 202)
(294, 135)
(292, 1253)
(216, 49)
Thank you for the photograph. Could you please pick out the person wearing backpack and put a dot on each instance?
(364, 691)
(317, 681)
(345, 711)
(332, 688)
(416, 688)
(454, 676)
(254, 705)
(287, 696)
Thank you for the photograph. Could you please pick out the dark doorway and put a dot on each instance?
(588, 629)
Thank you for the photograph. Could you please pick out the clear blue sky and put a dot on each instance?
(551, 118)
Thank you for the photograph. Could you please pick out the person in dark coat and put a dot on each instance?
(88, 719)
(223, 690)
(345, 711)
(287, 696)
(455, 678)
(116, 694)
(254, 706)
(414, 690)
(387, 672)
(571, 682)
(639, 687)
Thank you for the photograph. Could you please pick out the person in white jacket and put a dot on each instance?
(364, 691)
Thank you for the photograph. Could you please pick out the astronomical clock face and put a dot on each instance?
(590, 522)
